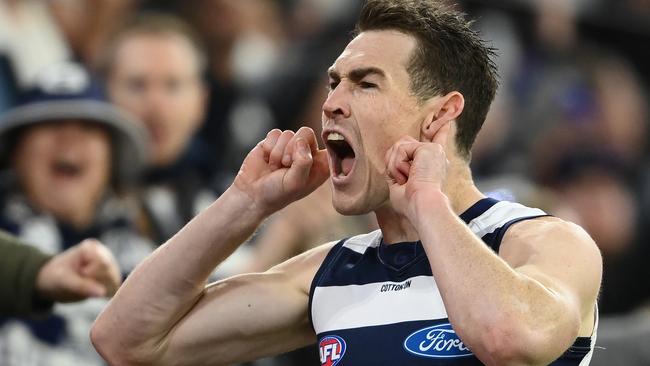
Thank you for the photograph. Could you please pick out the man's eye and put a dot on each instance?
(367, 85)
(332, 85)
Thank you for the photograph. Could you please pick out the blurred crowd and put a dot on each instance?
(122, 119)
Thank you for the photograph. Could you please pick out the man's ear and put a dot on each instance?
(445, 109)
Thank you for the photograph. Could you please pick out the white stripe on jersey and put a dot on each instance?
(587, 359)
(366, 305)
(498, 215)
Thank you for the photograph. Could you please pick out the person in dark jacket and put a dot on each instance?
(32, 281)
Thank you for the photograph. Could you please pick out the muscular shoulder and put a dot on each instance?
(302, 268)
(551, 248)
(546, 234)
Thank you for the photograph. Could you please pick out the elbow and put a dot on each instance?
(503, 345)
(107, 343)
(519, 345)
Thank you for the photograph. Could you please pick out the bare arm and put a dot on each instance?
(523, 308)
(247, 317)
(164, 314)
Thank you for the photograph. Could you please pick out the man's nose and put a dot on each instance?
(156, 96)
(337, 103)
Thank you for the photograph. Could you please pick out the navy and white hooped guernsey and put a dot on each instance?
(376, 304)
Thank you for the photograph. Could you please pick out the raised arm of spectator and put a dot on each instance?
(31, 281)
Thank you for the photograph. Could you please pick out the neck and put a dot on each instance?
(459, 189)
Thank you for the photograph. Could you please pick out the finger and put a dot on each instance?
(298, 174)
(404, 168)
(443, 133)
(310, 138)
(278, 152)
(305, 133)
(87, 252)
(388, 158)
(99, 264)
(269, 142)
(393, 172)
(81, 287)
(400, 164)
(94, 255)
(105, 272)
(404, 157)
(320, 167)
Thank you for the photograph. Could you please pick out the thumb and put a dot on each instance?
(321, 166)
(84, 287)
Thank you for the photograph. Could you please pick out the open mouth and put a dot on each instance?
(342, 155)
(66, 169)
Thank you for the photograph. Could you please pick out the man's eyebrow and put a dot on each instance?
(357, 74)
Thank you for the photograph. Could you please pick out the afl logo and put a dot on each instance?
(331, 349)
(438, 341)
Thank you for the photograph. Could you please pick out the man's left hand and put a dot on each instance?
(416, 171)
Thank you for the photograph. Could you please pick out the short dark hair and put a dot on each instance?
(157, 24)
(449, 56)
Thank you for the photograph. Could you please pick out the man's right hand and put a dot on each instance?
(282, 168)
(235, 320)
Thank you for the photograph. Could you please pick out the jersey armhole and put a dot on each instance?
(496, 245)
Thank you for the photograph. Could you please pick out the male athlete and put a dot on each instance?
(452, 277)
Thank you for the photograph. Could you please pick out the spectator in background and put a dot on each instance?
(153, 67)
(31, 281)
(71, 157)
(34, 34)
(246, 43)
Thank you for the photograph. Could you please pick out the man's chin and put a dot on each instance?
(350, 208)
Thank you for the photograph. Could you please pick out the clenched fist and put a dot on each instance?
(416, 169)
(86, 270)
(282, 168)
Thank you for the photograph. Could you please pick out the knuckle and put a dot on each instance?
(87, 242)
(305, 129)
(91, 246)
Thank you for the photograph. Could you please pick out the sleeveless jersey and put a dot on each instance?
(376, 304)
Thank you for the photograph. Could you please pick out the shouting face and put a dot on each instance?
(369, 107)
(64, 168)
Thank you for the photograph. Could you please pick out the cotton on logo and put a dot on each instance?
(332, 349)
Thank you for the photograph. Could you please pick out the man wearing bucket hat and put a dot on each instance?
(70, 158)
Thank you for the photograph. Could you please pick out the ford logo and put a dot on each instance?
(438, 341)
